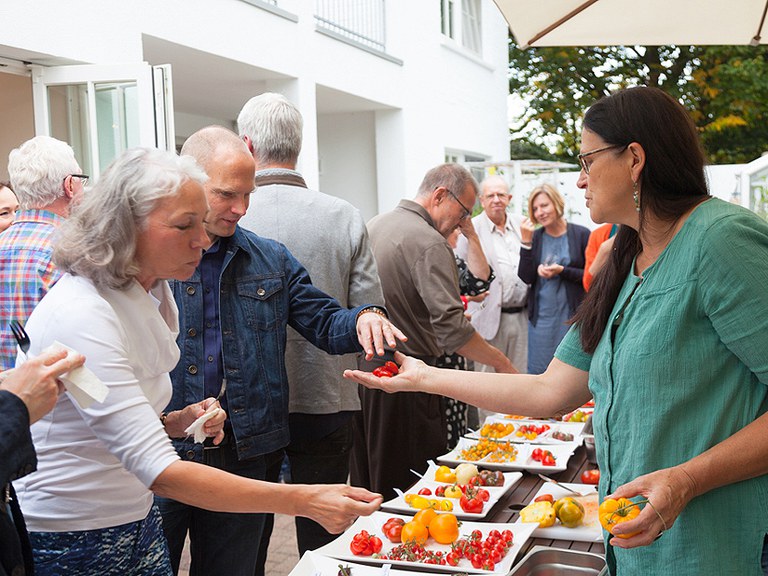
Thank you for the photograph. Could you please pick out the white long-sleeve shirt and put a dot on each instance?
(95, 466)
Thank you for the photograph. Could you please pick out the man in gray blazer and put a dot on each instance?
(328, 236)
(502, 317)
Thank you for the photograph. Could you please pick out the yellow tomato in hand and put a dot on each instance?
(612, 512)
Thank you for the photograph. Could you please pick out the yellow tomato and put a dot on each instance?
(543, 513)
(612, 512)
(570, 512)
(446, 505)
(445, 474)
(453, 492)
(419, 502)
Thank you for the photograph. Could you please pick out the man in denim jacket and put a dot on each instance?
(233, 315)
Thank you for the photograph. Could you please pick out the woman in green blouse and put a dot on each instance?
(672, 342)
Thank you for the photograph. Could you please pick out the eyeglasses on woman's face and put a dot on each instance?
(583, 157)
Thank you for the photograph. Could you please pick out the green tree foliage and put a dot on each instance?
(522, 149)
(729, 101)
(724, 87)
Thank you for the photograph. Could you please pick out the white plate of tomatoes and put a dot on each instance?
(588, 531)
(487, 492)
(314, 564)
(512, 456)
(511, 536)
(529, 431)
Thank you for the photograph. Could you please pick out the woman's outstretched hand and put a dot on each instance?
(409, 379)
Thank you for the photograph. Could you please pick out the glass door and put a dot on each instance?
(101, 110)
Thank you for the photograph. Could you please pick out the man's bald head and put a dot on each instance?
(212, 142)
(231, 170)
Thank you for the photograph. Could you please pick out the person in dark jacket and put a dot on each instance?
(552, 263)
(26, 394)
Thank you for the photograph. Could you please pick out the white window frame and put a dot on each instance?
(461, 20)
(154, 100)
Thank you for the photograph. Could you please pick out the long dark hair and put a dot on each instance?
(672, 182)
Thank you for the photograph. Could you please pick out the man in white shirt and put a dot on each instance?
(501, 318)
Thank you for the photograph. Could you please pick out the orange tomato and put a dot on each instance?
(612, 512)
(414, 532)
(425, 516)
(444, 528)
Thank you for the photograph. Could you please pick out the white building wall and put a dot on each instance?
(425, 96)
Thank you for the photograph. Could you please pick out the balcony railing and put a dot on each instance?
(361, 21)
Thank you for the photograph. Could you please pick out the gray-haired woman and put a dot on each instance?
(89, 506)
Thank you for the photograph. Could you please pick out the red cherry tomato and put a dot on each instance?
(548, 459)
(452, 559)
(383, 372)
(425, 492)
(392, 367)
(590, 476)
(537, 454)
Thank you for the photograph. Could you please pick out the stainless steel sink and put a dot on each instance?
(545, 561)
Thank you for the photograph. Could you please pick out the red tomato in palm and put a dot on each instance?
(392, 367)
(383, 372)
(590, 476)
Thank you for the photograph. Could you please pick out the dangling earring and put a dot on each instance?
(635, 195)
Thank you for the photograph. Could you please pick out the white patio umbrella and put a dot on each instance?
(643, 22)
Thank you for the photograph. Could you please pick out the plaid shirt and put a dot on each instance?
(26, 272)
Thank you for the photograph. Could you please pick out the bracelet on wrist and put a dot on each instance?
(374, 309)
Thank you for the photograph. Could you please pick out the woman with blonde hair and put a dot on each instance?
(552, 263)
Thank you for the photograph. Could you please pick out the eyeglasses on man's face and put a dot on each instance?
(582, 157)
(82, 177)
(467, 211)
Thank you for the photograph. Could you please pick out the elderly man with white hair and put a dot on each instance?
(46, 178)
(502, 317)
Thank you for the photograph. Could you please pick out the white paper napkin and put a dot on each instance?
(82, 384)
(196, 428)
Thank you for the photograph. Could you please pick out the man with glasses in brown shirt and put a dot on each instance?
(399, 432)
